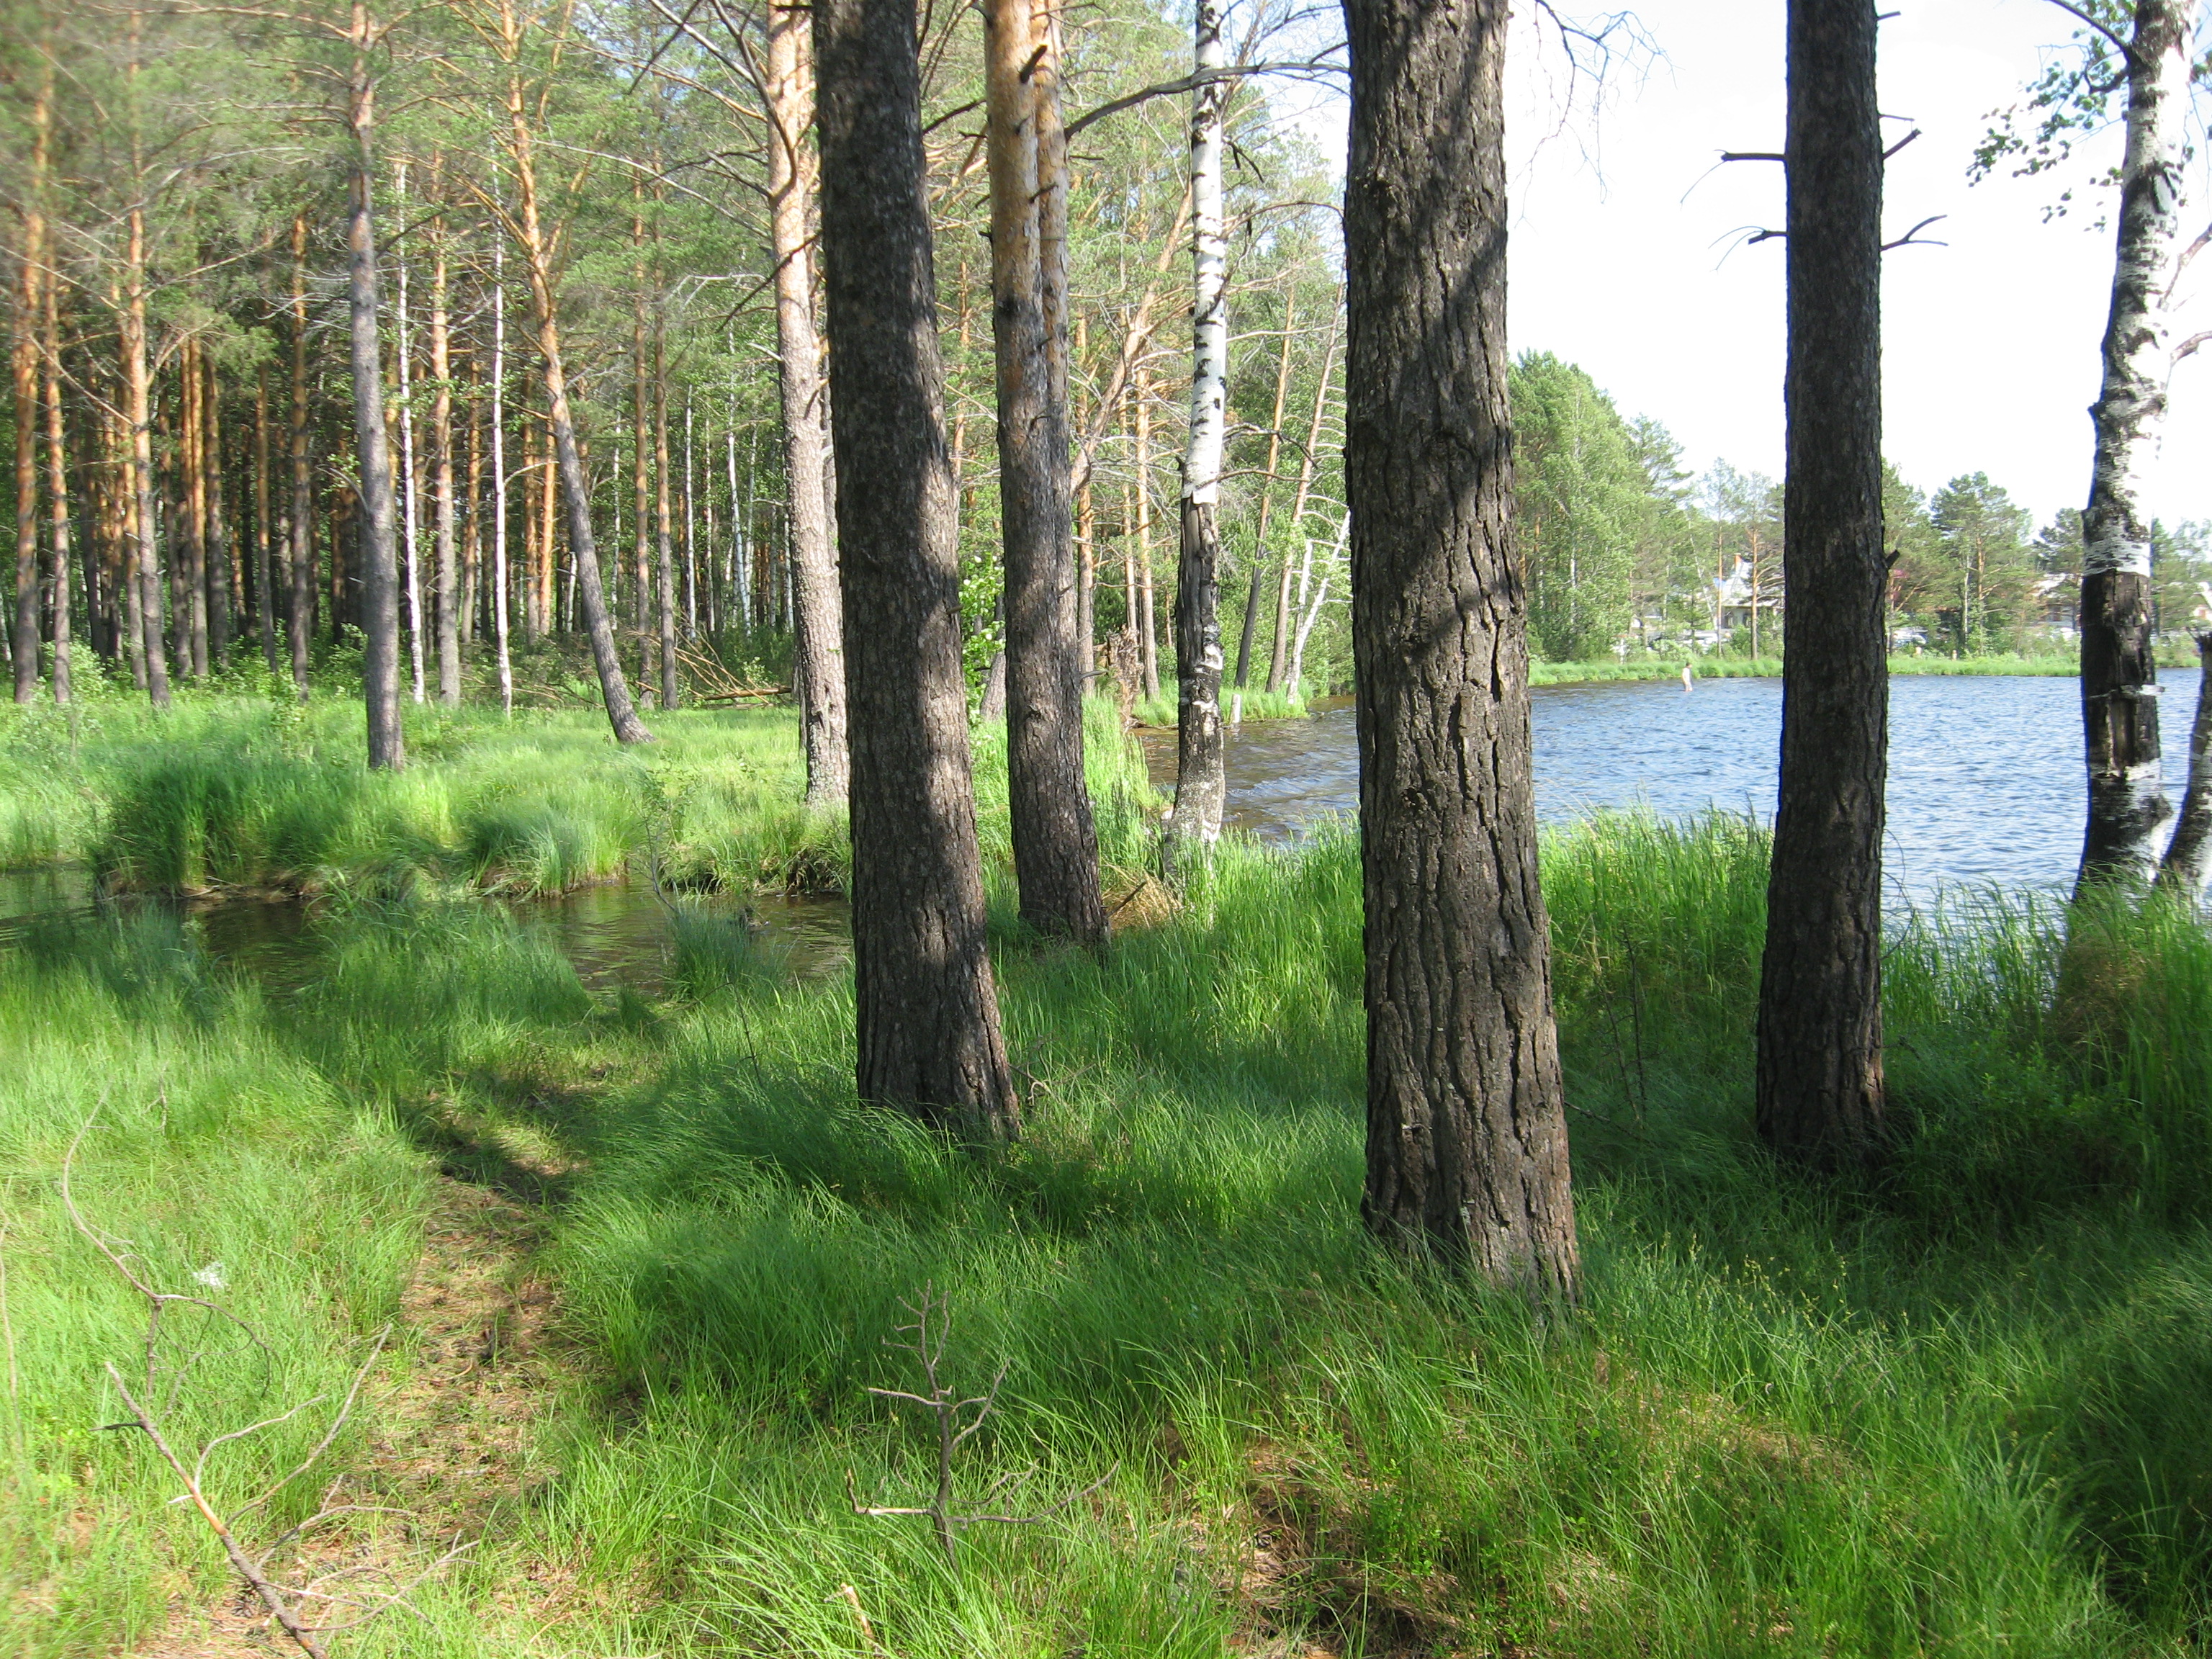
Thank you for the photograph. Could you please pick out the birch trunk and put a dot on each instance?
(1201, 782)
(1054, 840)
(818, 673)
(1466, 1139)
(2119, 679)
(926, 1006)
(1820, 1090)
(1282, 673)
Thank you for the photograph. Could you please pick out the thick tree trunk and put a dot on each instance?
(621, 714)
(1201, 778)
(378, 554)
(2119, 679)
(2187, 860)
(446, 606)
(1819, 1078)
(1467, 1140)
(299, 620)
(1055, 843)
(818, 671)
(927, 1005)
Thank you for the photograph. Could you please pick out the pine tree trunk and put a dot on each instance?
(1055, 844)
(410, 477)
(499, 618)
(2187, 860)
(218, 520)
(1201, 780)
(818, 673)
(1467, 1141)
(2119, 678)
(300, 621)
(621, 714)
(23, 643)
(57, 492)
(378, 554)
(664, 528)
(139, 417)
(445, 597)
(1820, 1079)
(926, 1006)
(264, 541)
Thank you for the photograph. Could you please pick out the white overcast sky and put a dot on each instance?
(1990, 345)
(1622, 229)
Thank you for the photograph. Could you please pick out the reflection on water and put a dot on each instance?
(613, 936)
(1985, 782)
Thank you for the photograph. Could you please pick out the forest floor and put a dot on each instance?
(644, 1260)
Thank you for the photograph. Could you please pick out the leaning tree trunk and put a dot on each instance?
(1201, 778)
(2119, 689)
(1819, 1075)
(927, 1007)
(817, 669)
(1467, 1140)
(2187, 860)
(575, 489)
(1055, 841)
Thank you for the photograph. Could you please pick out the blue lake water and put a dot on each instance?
(1985, 781)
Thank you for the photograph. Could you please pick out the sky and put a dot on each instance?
(1621, 261)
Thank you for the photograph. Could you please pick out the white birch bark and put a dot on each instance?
(1209, 384)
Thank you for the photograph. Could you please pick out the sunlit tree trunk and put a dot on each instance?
(264, 541)
(1820, 1090)
(1201, 782)
(24, 361)
(818, 671)
(2119, 693)
(138, 418)
(927, 1007)
(57, 491)
(1467, 1140)
(446, 607)
(499, 479)
(300, 621)
(664, 527)
(1282, 672)
(538, 261)
(219, 552)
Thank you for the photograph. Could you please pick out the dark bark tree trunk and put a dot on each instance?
(1819, 1078)
(1467, 1140)
(378, 555)
(1056, 841)
(927, 1008)
(2119, 676)
(818, 667)
(2188, 859)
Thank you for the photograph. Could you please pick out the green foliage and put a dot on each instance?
(1584, 503)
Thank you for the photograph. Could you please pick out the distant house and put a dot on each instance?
(2057, 601)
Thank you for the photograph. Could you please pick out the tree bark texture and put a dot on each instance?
(378, 554)
(817, 653)
(1820, 1069)
(1467, 1141)
(1054, 839)
(2119, 679)
(2187, 860)
(1201, 775)
(927, 1009)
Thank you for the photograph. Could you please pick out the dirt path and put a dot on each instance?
(454, 1410)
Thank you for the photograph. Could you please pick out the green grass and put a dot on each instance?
(1957, 1411)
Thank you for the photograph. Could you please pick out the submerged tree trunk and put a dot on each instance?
(926, 1006)
(1055, 843)
(818, 670)
(1820, 1077)
(2187, 860)
(1467, 1140)
(2120, 691)
(1201, 778)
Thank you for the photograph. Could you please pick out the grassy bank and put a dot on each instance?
(1958, 1411)
(237, 792)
